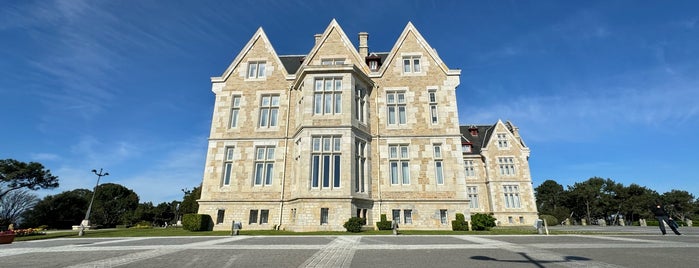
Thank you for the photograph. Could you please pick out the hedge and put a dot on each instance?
(197, 222)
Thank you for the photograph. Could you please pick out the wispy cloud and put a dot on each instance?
(576, 110)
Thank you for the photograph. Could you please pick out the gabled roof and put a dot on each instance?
(259, 35)
(410, 29)
(334, 26)
(477, 142)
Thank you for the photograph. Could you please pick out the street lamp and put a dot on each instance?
(86, 221)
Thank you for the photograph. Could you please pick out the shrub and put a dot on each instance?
(460, 223)
(197, 222)
(482, 222)
(384, 224)
(353, 225)
(550, 219)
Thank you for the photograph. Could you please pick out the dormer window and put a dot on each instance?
(256, 69)
(373, 65)
(466, 147)
(332, 61)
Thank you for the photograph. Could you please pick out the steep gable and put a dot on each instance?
(334, 43)
(409, 37)
(258, 47)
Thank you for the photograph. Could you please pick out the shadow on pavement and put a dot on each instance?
(538, 263)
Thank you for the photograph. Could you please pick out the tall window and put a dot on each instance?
(433, 107)
(264, 216)
(472, 192)
(256, 69)
(438, 164)
(264, 165)
(327, 98)
(324, 216)
(395, 102)
(360, 166)
(408, 216)
(502, 141)
(228, 166)
(399, 164)
(253, 216)
(443, 216)
(507, 166)
(219, 216)
(511, 196)
(411, 64)
(469, 168)
(269, 109)
(396, 215)
(325, 160)
(235, 110)
(360, 99)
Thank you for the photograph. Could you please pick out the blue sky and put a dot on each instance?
(598, 88)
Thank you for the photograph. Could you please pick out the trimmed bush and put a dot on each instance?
(482, 222)
(550, 220)
(384, 224)
(197, 222)
(354, 224)
(460, 223)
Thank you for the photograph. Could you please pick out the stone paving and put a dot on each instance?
(633, 249)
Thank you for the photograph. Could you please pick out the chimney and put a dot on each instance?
(363, 46)
(318, 36)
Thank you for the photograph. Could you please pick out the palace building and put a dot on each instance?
(304, 142)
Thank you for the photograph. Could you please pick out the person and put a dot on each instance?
(663, 218)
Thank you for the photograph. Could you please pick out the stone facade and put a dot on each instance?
(304, 142)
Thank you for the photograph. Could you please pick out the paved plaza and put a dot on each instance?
(640, 247)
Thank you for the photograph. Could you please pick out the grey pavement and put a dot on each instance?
(610, 247)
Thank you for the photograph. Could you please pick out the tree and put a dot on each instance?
(591, 197)
(680, 204)
(113, 205)
(13, 204)
(15, 175)
(550, 199)
(59, 211)
(189, 202)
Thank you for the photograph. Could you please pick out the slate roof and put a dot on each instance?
(479, 141)
(293, 62)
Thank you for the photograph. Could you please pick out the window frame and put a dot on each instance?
(360, 147)
(401, 159)
(507, 166)
(324, 215)
(266, 162)
(269, 111)
(434, 114)
(227, 165)
(438, 163)
(472, 193)
(254, 71)
(511, 195)
(412, 64)
(324, 92)
(326, 162)
(396, 108)
(235, 111)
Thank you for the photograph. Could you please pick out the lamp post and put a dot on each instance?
(86, 221)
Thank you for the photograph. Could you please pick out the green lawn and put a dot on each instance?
(159, 232)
